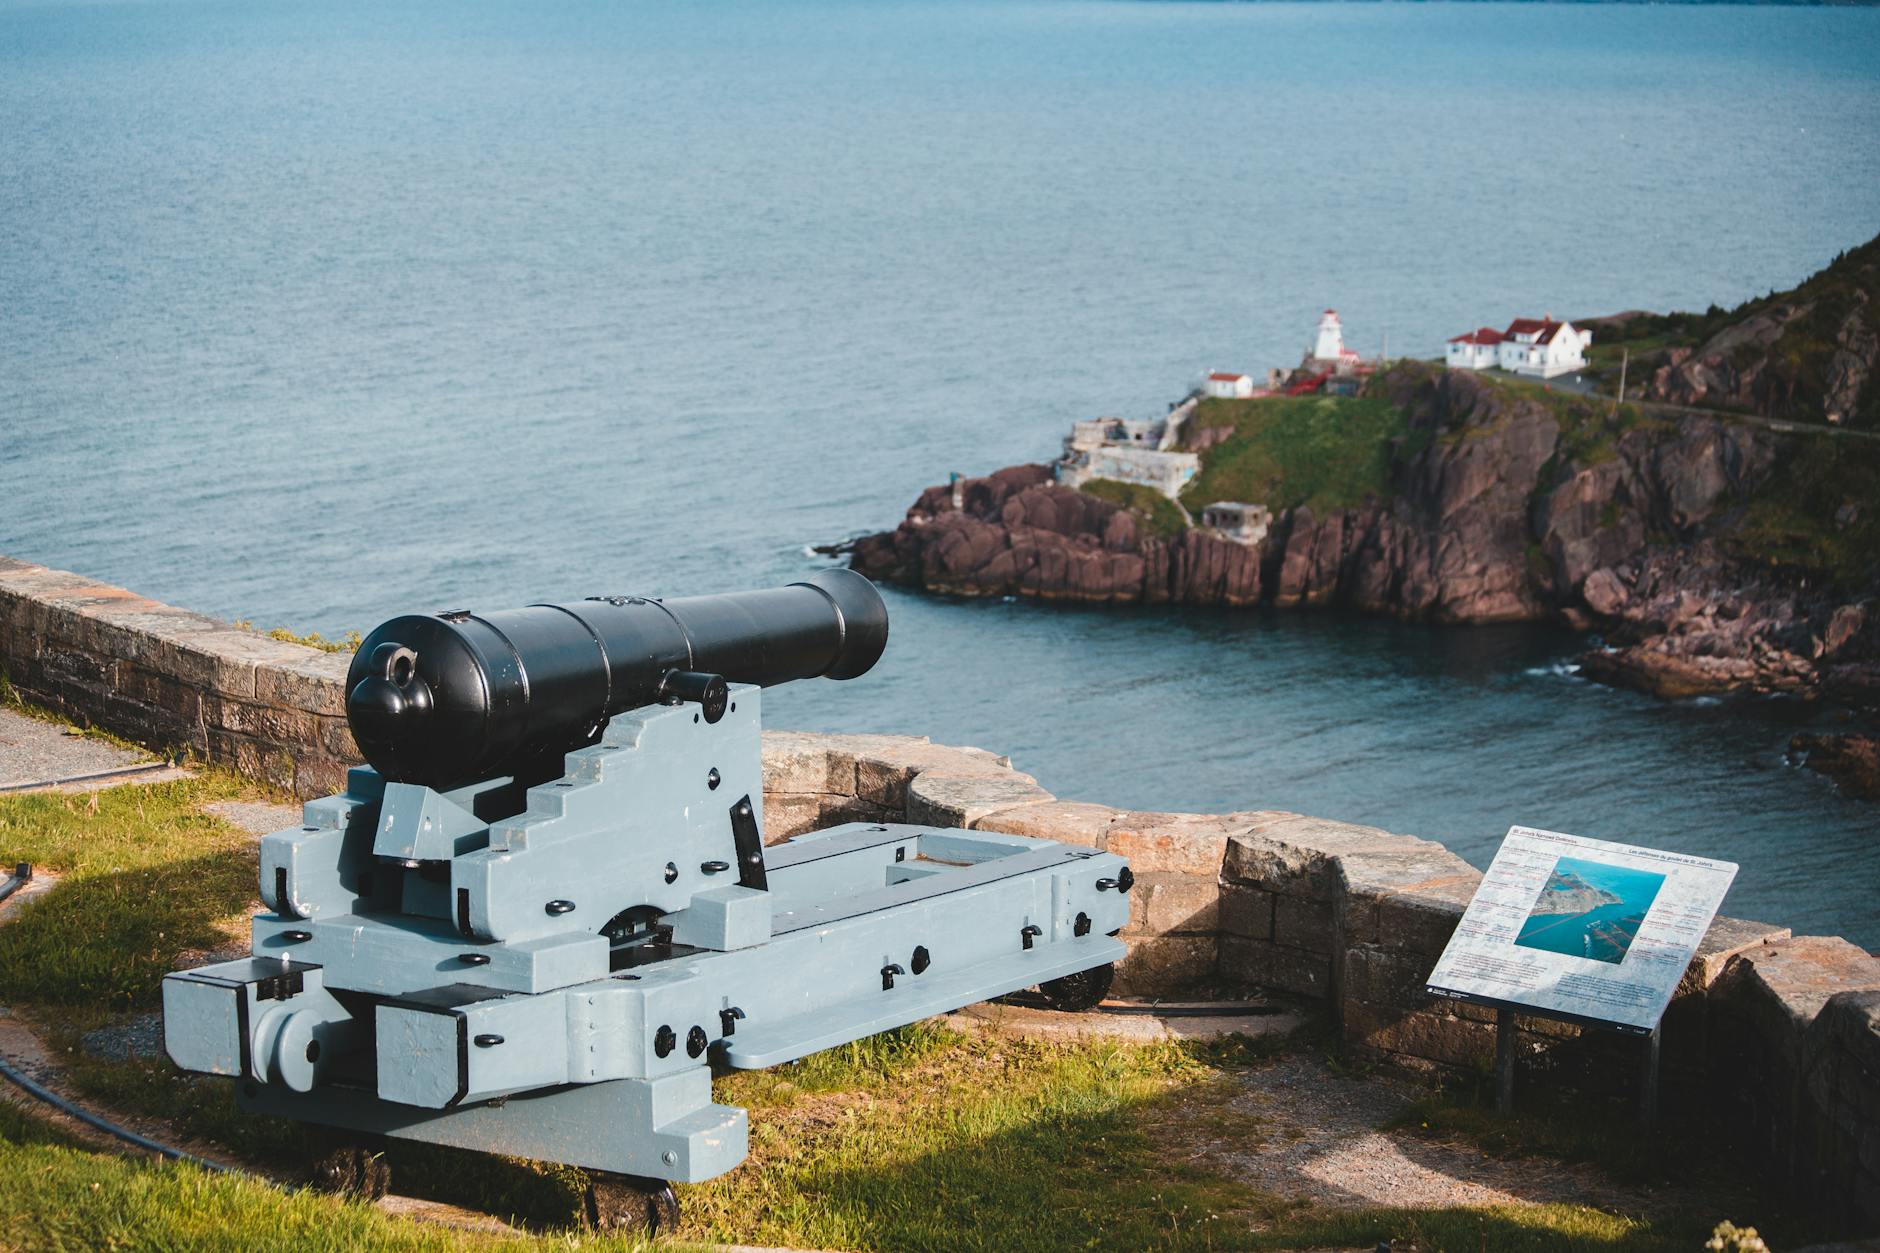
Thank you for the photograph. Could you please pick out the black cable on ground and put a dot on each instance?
(146, 767)
(43, 1093)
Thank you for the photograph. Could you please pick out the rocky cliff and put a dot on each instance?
(1711, 552)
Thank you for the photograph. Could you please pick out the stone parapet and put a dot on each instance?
(175, 680)
(1780, 1032)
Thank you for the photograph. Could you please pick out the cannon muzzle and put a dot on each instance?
(448, 699)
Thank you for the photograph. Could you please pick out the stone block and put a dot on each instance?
(271, 763)
(273, 724)
(1276, 967)
(1400, 864)
(160, 690)
(1068, 822)
(1303, 923)
(1247, 911)
(335, 738)
(315, 682)
(942, 798)
(1726, 938)
(1290, 853)
(1167, 904)
(1178, 843)
(316, 775)
(1777, 989)
(1418, 921)
(798, 761)
(1160, 964)
(1425, 1034)
(882, 766)
(1382, 977)
(787, 814)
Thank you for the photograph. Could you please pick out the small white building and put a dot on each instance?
(1242, 523)
(1329, 346)
(1223, 386)
(1474, 351)
(1538, 347)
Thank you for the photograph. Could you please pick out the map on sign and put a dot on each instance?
(1585, 930)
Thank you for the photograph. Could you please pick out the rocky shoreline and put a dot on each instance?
(1507, 505)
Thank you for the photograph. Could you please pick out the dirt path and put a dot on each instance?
(1296, 1130)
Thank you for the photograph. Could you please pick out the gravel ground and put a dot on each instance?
(33, 752)
(141, 1036)
(257, 818)
(1297, 1130)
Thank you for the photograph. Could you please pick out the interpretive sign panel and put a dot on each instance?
(1586, 930)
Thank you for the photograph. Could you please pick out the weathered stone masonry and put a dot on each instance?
(1780, 1032)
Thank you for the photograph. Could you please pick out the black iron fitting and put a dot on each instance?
(728, 1020)
(1028, 933)
(887, 976)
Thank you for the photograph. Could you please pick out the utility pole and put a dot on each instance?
(1625, 359)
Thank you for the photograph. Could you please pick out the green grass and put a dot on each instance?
(1325, 452)
(1160, 515)
(61, 1196)
(149, 877)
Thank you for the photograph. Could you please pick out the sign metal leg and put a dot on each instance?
(1648, 1080)
(1504, 1060)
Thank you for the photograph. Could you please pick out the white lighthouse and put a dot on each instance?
(1330, 346)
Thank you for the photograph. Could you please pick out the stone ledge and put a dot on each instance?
(1068, 822)
(942, 798)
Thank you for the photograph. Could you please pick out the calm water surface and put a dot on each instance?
(314, 314)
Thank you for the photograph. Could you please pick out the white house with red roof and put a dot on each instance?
(1540, 347)
(1226, 386)
(1475, 350)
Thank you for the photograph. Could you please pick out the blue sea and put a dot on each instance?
(312, 314)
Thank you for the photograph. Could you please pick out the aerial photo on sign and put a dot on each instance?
(1590, 909)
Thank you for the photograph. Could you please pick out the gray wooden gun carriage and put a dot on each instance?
(545, 910)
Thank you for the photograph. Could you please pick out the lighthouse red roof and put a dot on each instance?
(1220, 376)
(1480, 335)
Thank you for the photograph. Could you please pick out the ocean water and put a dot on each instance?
(315, 314)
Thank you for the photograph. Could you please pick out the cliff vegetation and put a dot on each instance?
(1320, 452)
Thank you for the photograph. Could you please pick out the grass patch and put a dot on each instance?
(347, 643)
(63, 1197)
(148, 878)
(1325, 452)
(1161, 517)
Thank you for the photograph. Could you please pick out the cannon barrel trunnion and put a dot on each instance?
(469, 947)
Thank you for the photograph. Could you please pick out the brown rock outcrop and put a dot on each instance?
(1851, 758)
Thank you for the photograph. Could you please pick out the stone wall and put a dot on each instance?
(1779, 1033)
(175, 680)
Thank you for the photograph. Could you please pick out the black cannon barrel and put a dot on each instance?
(448, 699)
